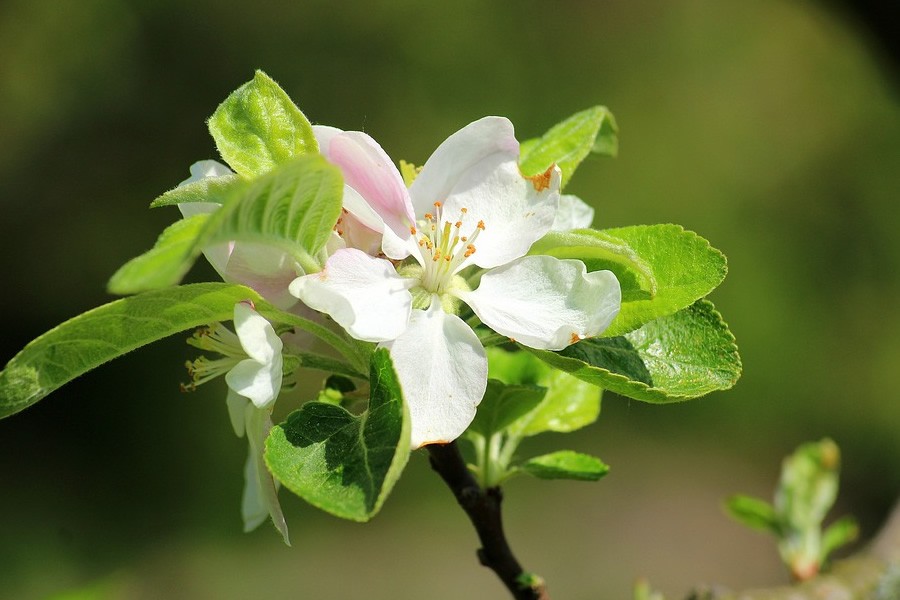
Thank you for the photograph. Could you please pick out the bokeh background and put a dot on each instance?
(770, 127)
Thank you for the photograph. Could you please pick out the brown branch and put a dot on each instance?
(483, 508)
(853, 578)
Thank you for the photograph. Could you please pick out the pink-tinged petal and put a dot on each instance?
(489, 139)
(324, 134)
(260, 497)
(368, 169)
(442, 368)
(363, 294)
(544, 302)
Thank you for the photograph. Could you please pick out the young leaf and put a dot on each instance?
(504, 404)
(567, 143)
(258, 127)
(109, 331)
(565, 464)
(567, 405)
(661, 268)
(208, 189)
(343, 463)
(754, 513)
(840, 533)
(672, 358)
(293, 207)
(164, 263)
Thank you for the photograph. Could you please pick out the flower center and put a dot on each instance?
(444, 247)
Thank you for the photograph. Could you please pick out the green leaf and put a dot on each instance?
(840, 533)
(293, 207)
(163, 263)
(567, 405)
(808, 485)
(502, 405)
(345, 464)
(673, 358)
(565, 464)
(754, 513)
(208, 189)
(258, 127)
(567, 143)
(109, 331)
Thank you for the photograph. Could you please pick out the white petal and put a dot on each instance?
(266, 269)
(516, 211)
(324, 134)
(544, 302)
(363, 294)
(573, 213)
(260, 490)
(216, 255)
(442, 368)
(236, 404)
(257, 336)
(259, 383)
(474, 143)
(477, 169)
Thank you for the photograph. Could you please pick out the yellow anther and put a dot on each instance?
(481, 225)
(437, 204)
(412, 230)
(458, 224)
(464, 210)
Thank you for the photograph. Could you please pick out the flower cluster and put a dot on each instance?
(415, 269)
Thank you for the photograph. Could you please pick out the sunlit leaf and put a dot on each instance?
(293, 207)
(567, 143)
(565, 464)
(673, 358)
(109, 331)
(258, 127)
(343, 463)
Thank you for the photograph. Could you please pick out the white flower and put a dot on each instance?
(253, 366)
(573, 213)
(266, 269)
(470, 205)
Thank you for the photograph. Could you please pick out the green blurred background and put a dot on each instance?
(772, 128)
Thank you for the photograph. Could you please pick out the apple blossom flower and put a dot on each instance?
(266, 269)
(253, 367)
(469, 206)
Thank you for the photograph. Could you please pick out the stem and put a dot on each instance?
(483, 509)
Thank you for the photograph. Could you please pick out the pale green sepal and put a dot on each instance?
(567, 143)
(293, 208)
(677, 357)
(345, 464)
(207, 189)
(109, 331)
(565, 464)
(258, 127)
